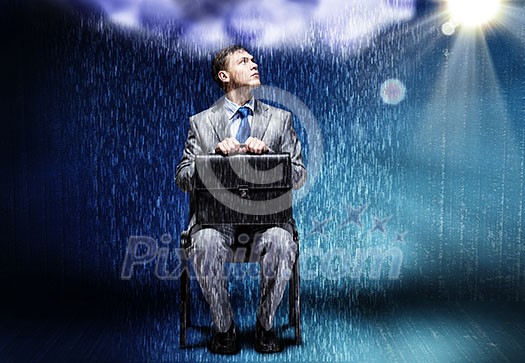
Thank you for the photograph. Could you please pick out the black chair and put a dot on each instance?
(241, 254)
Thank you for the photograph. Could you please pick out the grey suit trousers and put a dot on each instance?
(276, 251)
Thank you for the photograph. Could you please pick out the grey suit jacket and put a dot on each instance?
(269, 124)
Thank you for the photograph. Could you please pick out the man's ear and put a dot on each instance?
(224, 76)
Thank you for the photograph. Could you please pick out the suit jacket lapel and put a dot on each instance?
(219, 119)
(261, 119)
(220, 122)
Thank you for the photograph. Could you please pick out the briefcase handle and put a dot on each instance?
(247, 153)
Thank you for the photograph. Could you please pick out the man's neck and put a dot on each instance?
(239, 97)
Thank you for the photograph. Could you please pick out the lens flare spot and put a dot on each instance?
(448, 28)
(392, 91)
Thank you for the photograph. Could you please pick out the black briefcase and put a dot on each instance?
(243, 189)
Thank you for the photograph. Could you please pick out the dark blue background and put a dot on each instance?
(95, 119)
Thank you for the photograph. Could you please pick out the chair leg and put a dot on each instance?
(297, 303)
(291, 306)
(183, 307)
(184, 303)
(188, 299)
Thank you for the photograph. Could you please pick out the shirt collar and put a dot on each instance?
(231, 107)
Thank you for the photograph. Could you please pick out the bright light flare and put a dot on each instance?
(472, 13)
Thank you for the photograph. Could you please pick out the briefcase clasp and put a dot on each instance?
(243, 191)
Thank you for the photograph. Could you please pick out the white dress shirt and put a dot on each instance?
(234, 117)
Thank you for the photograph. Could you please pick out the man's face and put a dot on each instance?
(242, 70)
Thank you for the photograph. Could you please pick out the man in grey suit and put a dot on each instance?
(238, 123)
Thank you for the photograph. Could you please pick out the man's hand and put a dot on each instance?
(227, 146)
(254, 145)
(230, 145)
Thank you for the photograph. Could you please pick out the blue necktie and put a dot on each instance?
(244, 128)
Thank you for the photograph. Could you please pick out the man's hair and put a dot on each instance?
(220, 62)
